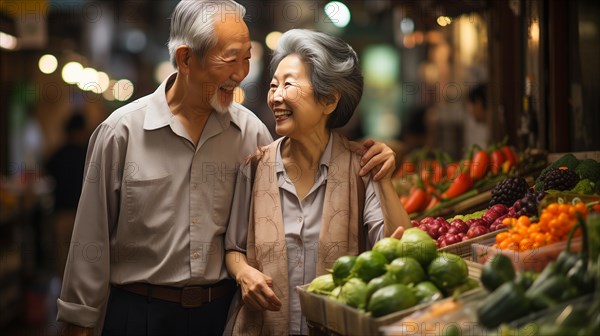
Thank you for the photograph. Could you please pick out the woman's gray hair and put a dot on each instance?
(192, 24)
(334, 69)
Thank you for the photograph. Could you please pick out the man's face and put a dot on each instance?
(214, 78)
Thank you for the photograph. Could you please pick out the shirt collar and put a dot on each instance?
(325, 157)
(158, 113)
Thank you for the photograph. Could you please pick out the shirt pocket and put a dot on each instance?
(149, 203)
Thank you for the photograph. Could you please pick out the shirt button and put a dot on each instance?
(299, 220)
(195, 186)
(195, 221)
(195, 255)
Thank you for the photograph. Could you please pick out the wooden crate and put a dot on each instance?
(339, 319)
(464, 249)
(532, 260)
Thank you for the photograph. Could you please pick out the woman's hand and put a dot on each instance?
(257, 290)
(377, 157)
(398, 232)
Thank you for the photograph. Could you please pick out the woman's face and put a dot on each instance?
(292, 100)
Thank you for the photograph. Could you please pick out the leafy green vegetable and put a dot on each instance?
(585, 187)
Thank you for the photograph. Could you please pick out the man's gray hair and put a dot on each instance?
(192, 24)
(334, 69)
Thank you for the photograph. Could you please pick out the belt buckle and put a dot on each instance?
(192, 297)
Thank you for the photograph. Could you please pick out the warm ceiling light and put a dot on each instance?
(88, 80)
(48, 64)
(108, 94)
(272, 39)
(103, 81)
(444, 21)
(8, 41)
(123, 89)
(71, 72)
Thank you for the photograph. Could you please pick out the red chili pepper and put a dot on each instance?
(452, 170)
(497, 158)
(406, 168)
(510, 155)
(416, 201)
(459, 186)
(433, 173)
(438, 172)
(479, 165)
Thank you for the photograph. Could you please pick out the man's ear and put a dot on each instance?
(183, 56)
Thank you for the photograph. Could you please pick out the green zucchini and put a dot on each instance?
(505, 304)
(496, 271)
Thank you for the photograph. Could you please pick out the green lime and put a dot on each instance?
(342, 268)
(368, 265)
(380, 282)
(354, 293)
(426, 291)
(387, 246)
(391, 299)
(448, 270)
(406, 270)
(322, 285)
(417, 244)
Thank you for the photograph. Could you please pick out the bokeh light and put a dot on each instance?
(48, 64)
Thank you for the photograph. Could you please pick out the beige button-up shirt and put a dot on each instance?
(154, 207)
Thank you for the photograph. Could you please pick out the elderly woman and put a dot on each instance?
(309, 204)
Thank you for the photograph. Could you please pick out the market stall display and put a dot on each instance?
(334, 317)
(516, 302)
(530, 253)
(380, 286)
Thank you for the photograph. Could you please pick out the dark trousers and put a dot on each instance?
(132, 314)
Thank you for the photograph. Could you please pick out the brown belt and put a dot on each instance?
(188, 297)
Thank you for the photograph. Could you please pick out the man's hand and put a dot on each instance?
(257, 290)
(75, 330)
(379, 159)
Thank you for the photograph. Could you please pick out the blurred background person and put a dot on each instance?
(476, 126)
(66, 168)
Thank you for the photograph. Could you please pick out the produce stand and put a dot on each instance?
(335, 318)
(517, 311)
